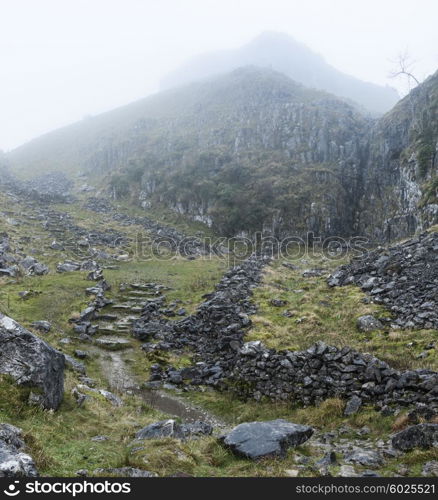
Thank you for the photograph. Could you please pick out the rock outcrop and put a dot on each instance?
(31, 362)
(254, 151)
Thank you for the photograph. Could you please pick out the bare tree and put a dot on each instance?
(404, 67)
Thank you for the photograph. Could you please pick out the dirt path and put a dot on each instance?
(116, 371)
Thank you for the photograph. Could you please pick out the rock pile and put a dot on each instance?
(216, 334)
(13, 263)
(219, 323)
(403, 277)
(54, 187)
(172, 238)
(79, 240)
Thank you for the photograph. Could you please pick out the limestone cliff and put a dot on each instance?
(253, 150)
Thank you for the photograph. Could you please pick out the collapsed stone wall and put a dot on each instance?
(403, 277)
(170, 237)
(216, 334)
(324, 371)
(53, 187)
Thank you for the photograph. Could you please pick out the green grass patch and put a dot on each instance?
(318, 312)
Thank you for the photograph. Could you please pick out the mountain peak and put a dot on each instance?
(283, 53)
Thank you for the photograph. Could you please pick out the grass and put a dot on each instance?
(187, 280)
(318, 312)
(61, 442)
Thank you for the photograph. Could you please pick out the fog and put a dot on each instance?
(62, 60)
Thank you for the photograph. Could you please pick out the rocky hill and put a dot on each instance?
(282, 53)
(400, 178)
(246, 150)
(254, 151)
(119, 343)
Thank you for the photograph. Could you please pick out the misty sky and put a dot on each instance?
(62, 60)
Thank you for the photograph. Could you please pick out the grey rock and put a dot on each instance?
(278, 302)
(256, 440)
(14, 462)
(430, 469)
(124, 472)
(368, 323)
(81, 354)
(353, 406)
(112, 398)
(347, 471)
(76, 366)
(171, 428)
(31, 362)
(68, 266)
(42, 326)
(113, 344)
(328, 459)
(416, 436)
(99, 438)
(365, 457)
(56, 246)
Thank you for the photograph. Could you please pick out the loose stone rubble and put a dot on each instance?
(404, 278)
(216, 334)
(165, 235)
(14, 263)
(53, 187)
(14, 462)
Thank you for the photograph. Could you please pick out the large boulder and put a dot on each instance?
(416, 436)
(13, 461)
(266, 439)
(31, 362)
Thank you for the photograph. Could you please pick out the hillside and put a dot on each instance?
(187, 362)
(152, 367)
(400, 178)
(282, 53)
(244, 151)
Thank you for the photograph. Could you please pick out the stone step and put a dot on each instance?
(107, 317)
(121, 307)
